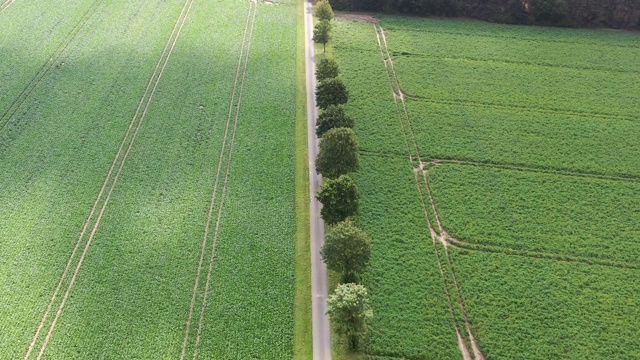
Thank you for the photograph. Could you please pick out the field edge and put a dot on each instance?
(303, 331)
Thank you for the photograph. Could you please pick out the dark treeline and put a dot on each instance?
(619, 14)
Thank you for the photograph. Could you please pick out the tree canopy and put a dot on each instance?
(574, 13)
(346, 250)
(323, 11)
(327, 68)
(339, 198)
(322, 33)
(331, 118)
(348, 308)
(331, 92)
(338, 153)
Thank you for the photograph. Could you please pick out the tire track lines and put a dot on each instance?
(120, 158)
(462, 342)
(442, 239)
(407, 126)
(524, 63)
(449, 240)
(544, 170)
(234, 112)
(398, 96)
(529, 108)
(22, 97)
(6, 5)
(465, 245)
(522, 38)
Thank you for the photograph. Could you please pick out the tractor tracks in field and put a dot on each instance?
(447, 240)
(525, 108)
(466, 340)
(68, 279)
(6, 5)
(626, 177)
(210, 240)
(22, 97)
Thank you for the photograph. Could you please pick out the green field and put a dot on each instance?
(507, 157)
(147, 123)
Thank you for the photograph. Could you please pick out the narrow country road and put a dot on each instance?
(321, 331)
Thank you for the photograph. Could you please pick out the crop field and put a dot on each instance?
(500, 172)
(147, 183)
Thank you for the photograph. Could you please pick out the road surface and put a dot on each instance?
(321, 331)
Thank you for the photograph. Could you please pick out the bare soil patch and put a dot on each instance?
(356, 17)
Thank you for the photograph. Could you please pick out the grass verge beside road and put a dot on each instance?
(303, 332)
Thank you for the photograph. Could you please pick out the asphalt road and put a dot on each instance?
(321, 331)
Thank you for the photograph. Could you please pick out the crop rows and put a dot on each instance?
(404, 278)
(53, 168)
(556, 214)
(547, 88)
(132, 292)
(570, 37)
(528, 158)
(527, 308)
(406, 288)
(22, 97)
(545, 140)
(434, 38)
(252, 280)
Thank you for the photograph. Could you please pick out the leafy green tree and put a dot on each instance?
(322, 33)
(338, 153)
(323, 11)
(327, 68)
(339, 198)
(349, 310)
(346, 250)
(331, 92)
(333, 117)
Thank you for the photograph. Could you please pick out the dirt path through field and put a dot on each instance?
(112, 179)
(234, 112)
(44, 69)
(469, 349)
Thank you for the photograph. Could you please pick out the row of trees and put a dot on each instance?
(622, 14)
(346, 248)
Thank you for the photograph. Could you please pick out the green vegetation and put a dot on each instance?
(529, 138)
(322, 11)
(331, 92)
(349, 310)
(34, 37)
(303, 330)
(346, 250)
(617, 14)
(338, 154)
(516, 147)
(131, 296)
(405, 286)
(339, 198)
(333, 117)
(527, 308)
(322, 33)
(566, 216)
(327, 68)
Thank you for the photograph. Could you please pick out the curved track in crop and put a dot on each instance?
(466, 340)
(68, 279)
(447, 240)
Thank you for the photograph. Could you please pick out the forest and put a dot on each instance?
(617, 14)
